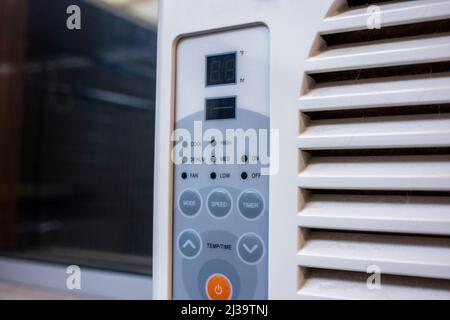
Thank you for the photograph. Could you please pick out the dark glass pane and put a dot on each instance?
(82, 184)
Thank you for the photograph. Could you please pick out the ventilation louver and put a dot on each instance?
(374, 152)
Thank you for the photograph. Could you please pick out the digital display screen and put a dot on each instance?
(221, 69)
(220, 108)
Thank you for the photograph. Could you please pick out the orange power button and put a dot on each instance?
(218, 287)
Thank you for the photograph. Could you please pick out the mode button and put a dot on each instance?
(190, 202)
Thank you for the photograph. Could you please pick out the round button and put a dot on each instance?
(250, 248)
(189, 243)
(219, 203)
(218, 287)
(190, 202)
(250, 204)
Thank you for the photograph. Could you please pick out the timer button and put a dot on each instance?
(219, 203)
(190, 202)
(218, 287)
(250, 204)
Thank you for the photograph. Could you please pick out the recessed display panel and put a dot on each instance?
(221, 208)
(220, 108)
(221, 69)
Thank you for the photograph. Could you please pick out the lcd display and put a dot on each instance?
(221, 69)
(220, 108)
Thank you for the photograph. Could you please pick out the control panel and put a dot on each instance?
(220, 209)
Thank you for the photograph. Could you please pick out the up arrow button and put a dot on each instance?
(189, 243)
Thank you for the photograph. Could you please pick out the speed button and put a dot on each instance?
(219, 203)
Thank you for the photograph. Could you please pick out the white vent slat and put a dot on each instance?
(390, 14)
(398, 255)
(429, 172)
(412, 51)
(329, 284)
(380, 213)
(378, 132)
(378, 93)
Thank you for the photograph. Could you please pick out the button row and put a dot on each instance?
(250, 247)
(219, 203)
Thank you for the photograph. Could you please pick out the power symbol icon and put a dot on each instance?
(218, 290)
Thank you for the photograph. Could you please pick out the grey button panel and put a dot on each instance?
(190, 202)
(219, 203)
(250, 204)
(231, 218)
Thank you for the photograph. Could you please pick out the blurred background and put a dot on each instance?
(77, 119)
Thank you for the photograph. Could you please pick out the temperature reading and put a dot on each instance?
(221, 69)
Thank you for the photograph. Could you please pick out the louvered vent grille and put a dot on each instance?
(374, 153)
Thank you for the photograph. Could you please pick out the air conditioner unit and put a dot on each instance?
(356, 96)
